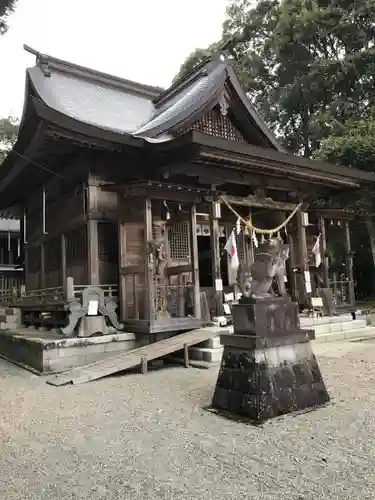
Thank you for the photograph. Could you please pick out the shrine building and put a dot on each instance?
(136, 189)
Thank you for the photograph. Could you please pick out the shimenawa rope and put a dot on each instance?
(256, 229)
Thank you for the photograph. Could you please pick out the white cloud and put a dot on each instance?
(144, 40)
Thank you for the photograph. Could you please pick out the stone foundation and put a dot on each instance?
(45, 352)
(268, 366)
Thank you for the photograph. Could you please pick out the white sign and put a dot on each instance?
(226, 309)
(93, 308)
(219, 285)
(307, 276)
(308, 287)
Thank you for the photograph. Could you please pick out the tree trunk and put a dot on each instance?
(371, 233)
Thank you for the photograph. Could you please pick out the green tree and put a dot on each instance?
(354, 146)
(193, 60)
(307, 65)
(6, 8)
(8, 135)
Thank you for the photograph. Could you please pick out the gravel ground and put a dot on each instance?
(148, 437)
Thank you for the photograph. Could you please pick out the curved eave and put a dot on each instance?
(30, 135)
(237, 155)
(67, 123)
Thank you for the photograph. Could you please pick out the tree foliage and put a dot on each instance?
(354, 146)
(308, 65)
(6, 8)
(194, 59)
(8, 135)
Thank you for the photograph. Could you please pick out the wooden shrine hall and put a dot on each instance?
(135, 190)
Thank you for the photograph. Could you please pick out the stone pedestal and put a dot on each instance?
(92, 325)
(268, 366)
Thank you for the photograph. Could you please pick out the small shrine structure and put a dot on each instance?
(135, 189)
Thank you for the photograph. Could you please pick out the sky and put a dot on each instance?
(141, 40)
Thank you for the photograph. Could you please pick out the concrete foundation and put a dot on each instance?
(45, 352)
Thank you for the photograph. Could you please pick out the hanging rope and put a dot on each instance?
(256, 229)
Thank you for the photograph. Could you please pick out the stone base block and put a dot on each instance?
(261, 383)
(206, 354)
(91, 325)
(213, 343)
(45, 352)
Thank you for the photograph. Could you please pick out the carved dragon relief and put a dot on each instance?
(268, 268)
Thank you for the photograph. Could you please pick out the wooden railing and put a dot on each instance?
(56, 296)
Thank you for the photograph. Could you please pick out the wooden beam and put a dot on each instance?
(129, 270)
(208, 173)
(93, 252)
(63, 258)
(42, 266)
(195, 261)
(302, 243)
(216, 267)
(325, 263)
(349, 263)
(149, 264)
(255, 201)
(186, 356)
(122, 265)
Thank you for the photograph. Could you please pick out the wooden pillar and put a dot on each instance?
(302, 243)
(349, 263)
(122, 263)
(325, 262)
(93, 252)
(292, 267)
(195, 261)
(250, 246)
(26, 266)
(150, 288)
(42, 266)
(216, 257)
(63, 258)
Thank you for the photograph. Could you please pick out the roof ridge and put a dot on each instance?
(206, 65)
(50, 62)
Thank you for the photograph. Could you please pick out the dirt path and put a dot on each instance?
(148, 437)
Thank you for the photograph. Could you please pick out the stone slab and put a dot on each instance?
(368, 332)
(310, 322)
(45, 352)
(206, 354)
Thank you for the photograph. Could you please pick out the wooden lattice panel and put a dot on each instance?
(216, 124)
(179, 241)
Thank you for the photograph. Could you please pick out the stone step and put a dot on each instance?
(213, 343)
(9, 326)
(10, 318)
(368, 332)
(206, 354)
(325, 320)
(339, 327)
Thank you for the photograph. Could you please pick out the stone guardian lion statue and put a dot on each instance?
(268, 266)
